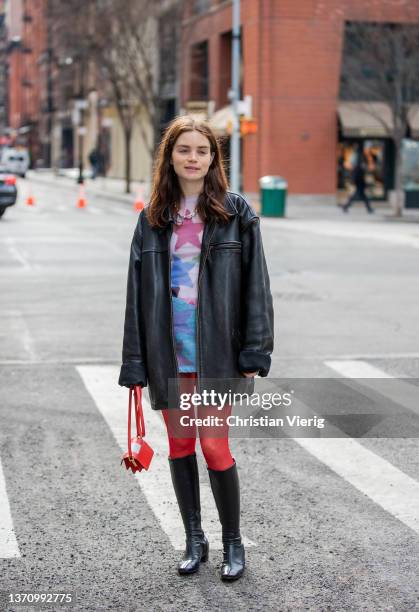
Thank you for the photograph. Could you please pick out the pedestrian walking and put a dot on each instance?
(94, 162)
(358, 177)
(198, 307)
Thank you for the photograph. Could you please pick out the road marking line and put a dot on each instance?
(399, 391)
(349, 357)
(18, 329)
(335, 230)
(17, 255)
(112, 402)
(8, 543)
(386, 485)
(372, 475)
(94, 211)
(356, 369)
(27, 339)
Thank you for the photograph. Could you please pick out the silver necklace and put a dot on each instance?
(181, 218)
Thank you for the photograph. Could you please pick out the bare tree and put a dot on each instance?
(120, 39)
(70, 46)
(124, 48)
(381, 64)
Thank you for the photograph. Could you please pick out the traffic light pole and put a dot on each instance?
(234, 97)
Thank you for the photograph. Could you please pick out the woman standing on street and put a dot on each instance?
(198, 307)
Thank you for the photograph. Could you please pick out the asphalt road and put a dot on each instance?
(329, 526)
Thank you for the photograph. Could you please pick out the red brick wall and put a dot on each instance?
(292, 54)
(34, 37)
(14, 88)
(293, 77)
(26, 72)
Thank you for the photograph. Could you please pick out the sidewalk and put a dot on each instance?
(113, 189)
(307, 207)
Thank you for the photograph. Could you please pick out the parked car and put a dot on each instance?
(8, 191)
(15, 161)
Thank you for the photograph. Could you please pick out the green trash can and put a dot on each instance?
(411, 195)
(273, 196)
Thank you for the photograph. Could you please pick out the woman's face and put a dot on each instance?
(191, 156)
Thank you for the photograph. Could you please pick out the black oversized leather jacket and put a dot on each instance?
(235, 325)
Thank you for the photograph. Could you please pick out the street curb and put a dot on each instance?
(62, 182)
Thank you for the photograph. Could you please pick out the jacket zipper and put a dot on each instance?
(171, 316)
(198, 337)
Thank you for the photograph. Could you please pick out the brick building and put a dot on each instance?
(60, 104)
(292, 53)
(26, 47)
(3, 72)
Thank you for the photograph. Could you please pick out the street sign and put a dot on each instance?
(248, 126)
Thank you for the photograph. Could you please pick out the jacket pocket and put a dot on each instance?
(232, 244)
(156, 250)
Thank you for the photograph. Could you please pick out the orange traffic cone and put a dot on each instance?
(139, 201)
(30, 200)
(82, 202)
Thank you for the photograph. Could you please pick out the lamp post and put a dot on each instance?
(79, 106)
(234, 95)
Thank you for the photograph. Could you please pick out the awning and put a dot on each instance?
(197, 109)
(197, 116)
(365, 119)
(221, 119)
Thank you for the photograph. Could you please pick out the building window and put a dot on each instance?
(224, 75)
(200, 6)
(199, 71)
(168, 51)
(376, 58)
(225, 71)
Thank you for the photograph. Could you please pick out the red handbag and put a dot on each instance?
(139, 453)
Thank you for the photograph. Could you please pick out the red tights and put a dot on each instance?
(182, 438)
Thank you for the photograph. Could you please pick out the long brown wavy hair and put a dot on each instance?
(166, 191)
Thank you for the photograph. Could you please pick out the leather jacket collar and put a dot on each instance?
(170, 219)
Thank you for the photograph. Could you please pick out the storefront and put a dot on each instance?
(378, 158)
(363, 135)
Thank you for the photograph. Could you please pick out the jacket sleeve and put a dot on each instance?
(133, 369)
(258, 318)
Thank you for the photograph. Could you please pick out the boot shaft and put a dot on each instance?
(225, 487)
(185, 478)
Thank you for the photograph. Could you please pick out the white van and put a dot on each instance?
(15, 161)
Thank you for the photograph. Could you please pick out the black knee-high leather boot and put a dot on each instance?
(185, 478)
(226, 491)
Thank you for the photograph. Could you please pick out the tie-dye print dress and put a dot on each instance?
(185, 247)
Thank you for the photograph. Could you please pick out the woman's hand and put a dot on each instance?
(249, 374)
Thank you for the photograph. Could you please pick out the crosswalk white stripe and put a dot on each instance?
(356, 368)
(399, 391)
(156, 484)
(8, 544)
(385, 484)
